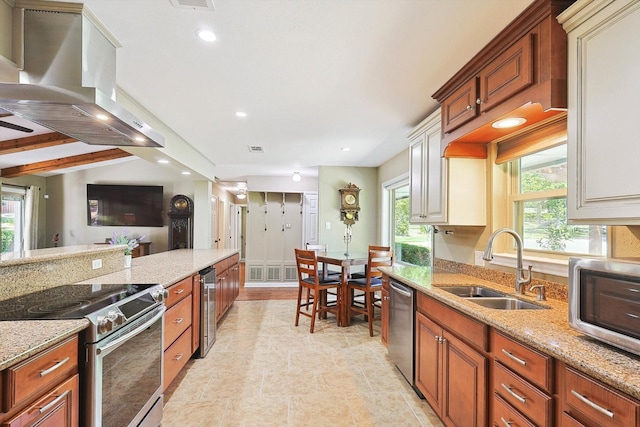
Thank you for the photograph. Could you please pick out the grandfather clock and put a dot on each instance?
(180, 222)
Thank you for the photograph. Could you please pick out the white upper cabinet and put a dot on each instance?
(443, 191)
(603, 121)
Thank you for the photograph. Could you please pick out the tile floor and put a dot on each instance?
(263, 371)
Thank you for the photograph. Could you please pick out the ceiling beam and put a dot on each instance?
(27, 143)
(65, 162)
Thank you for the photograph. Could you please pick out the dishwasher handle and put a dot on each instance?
(401, 291)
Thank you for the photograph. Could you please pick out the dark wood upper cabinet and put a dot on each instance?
(522, 72)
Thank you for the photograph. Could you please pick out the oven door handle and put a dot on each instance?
(134, 331)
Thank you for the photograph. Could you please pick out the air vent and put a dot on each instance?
(193, 4)
(255, 149)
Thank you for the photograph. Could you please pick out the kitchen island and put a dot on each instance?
(21, 339)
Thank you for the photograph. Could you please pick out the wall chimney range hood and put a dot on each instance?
(67, 82)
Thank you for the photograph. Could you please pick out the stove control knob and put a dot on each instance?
(159, 296)
(104, 325)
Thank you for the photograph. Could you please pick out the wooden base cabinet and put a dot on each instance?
(384, 311)
(451, 374)
(177, 328)
(30, 398)
(589, 403)
(228, 284)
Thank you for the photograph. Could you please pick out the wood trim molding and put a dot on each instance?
(65, 162)
(34, 142)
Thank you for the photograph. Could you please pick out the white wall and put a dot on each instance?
(67, 203)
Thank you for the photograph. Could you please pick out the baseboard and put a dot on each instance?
(270, 284)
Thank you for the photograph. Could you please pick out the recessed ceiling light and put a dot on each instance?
(102, 117)
(163, 161)
(206, 35)
(241, 114)
(509, 122)
(186, 173)
(346, 149)
(296, 177)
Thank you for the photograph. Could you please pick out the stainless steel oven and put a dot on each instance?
(604, 300)
(124, 375)
(122, 353)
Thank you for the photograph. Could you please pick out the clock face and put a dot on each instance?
(180, 204)
(349, 199)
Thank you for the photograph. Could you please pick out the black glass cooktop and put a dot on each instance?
(66, 302)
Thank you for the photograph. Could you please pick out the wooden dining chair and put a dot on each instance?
(369, 286)
(362, 275)
(309, 279)
(336, 274)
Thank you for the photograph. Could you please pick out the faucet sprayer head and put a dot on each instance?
(488, 253)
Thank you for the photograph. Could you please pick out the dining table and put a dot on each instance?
(345, 261)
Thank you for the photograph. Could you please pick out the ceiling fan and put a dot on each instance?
(13, 126)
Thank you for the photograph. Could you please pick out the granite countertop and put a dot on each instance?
(547, 330)
(165, 268)
(20, 340)
(39, 255)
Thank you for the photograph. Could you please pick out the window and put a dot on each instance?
(539, 200)
(411, 243)
(12, 218)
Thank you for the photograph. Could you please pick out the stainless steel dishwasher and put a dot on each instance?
(401, 329)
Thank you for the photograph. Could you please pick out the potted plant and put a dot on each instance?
(131, 242)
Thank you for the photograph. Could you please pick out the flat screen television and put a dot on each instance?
(119, 205)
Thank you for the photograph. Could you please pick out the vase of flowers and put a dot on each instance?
(130, 242)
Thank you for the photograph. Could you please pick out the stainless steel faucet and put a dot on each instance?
(521, 281)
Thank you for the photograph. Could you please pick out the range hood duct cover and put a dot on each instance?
(68, 82)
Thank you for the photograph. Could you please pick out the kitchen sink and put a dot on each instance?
(472, 291)
(506, 303)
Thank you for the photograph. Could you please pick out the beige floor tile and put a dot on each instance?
(320, 409)
(264, 371)
(257, 411)
(194, 414)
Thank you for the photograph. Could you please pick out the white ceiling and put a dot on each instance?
(313, 75)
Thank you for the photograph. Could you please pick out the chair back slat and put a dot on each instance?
(377, 258)
(307, 264)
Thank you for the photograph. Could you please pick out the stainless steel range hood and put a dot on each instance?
(68, 80)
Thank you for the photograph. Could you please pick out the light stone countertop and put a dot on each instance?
(20, 340)
(546, 330)
(49, 254)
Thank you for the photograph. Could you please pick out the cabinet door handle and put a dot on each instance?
(633, 316)
(505, 422)
(54, 402)
(179, 291)
(478, 101)
(178, 320)
(178, 357)
(469, 107)
(437, 338)
(512, 393)
(517, 359)
(595, 406)
(54, 367)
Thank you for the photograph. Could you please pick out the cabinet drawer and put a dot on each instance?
(505, 416)
(569, 421)
(58, 408)
(29, 378)
(464, 327)
(177, 320)
(525, 361)
(176, 356)
(525, 398)
(221, 266)
(598, 402)
(178, 291)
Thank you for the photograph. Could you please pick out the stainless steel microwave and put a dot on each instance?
(604, 300)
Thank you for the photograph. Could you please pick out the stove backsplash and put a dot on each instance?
(16, 280)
